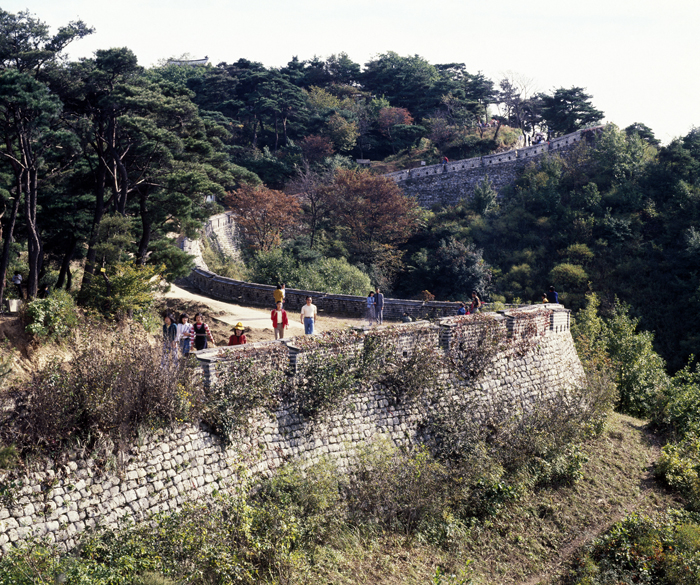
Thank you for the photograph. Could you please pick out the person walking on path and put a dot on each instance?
(169, 357)
(379, 306)
(238, 337)
(184, 331)
(308, 316)
(200, 334)
(278, 293)
(370, 309)
(279, 320)
(552, 296)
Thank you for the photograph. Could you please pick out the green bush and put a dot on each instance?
(53, 317)
(330, 275)
(639, 371)
(639, 549)
(124, 289)
(679, 466)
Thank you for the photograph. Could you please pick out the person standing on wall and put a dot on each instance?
(200, 334)
(476, 303)
(552, 296)
(279, 320)
(308, 316)
(379, 306)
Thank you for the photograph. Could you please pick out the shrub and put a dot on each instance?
(639, 370)
(241, 388)
(664, 551)
(679, 466)
(110, 388)
(53, 317)
(125, 289)
(330, 275)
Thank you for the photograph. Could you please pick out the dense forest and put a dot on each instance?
(104, 162)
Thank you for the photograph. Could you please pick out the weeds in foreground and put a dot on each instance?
(113, 386)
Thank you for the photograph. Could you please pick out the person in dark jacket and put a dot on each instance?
(169, 358)
(552, 296)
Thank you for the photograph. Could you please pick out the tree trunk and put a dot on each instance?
(8, 231)
(97, 218)
(34, 244)
(146, 224)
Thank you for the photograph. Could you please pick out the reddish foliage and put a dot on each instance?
(263, 214)
(316, 148)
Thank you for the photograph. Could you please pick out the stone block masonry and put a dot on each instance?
(162, 470)
(450, 183)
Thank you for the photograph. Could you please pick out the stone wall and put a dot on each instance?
(163, 470)
(260, 295)
(450, 183)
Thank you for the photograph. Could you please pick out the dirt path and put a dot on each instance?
(222, 316)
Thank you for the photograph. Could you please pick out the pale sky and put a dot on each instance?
(637, 58)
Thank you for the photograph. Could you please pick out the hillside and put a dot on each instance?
(532, 541)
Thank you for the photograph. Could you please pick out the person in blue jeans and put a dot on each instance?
(308, 316)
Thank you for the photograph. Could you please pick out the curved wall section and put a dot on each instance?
(161, 471)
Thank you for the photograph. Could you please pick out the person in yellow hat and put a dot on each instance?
(238, 338)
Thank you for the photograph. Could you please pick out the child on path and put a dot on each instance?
(200, 334)
(238, 338)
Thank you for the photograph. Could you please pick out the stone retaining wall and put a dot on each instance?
(448, 184)
(163, 470)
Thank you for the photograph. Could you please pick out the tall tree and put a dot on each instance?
(568, 110)
(28, 109)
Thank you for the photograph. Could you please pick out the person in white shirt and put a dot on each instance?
(308, 316)
(184, 331)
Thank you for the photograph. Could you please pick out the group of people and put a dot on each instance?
(180, 337)
(280, 320)
(474, 306)
(375, 307)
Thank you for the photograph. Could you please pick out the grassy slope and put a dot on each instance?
(531, 541)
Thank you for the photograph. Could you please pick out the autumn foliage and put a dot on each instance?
(263, 215)
(372, 217)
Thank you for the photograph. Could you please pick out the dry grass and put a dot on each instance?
(530, 541)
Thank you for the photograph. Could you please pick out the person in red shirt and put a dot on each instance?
(238, 338)
(279, 320)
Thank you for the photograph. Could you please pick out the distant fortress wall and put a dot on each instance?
(449, 183)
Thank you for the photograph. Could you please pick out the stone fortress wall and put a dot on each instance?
(450, 183)
(163, 470)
